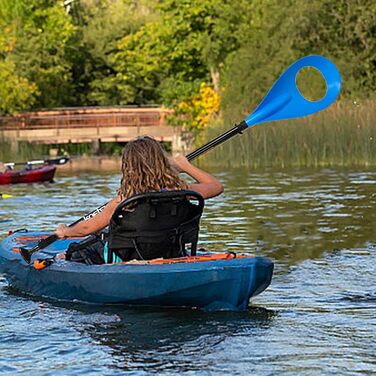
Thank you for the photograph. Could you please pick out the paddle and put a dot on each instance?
(4, 195)
(283, 101)
(56, 161)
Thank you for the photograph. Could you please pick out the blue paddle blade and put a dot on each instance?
(284, 100)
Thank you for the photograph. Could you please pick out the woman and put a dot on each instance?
(146, 168)
(3, 168)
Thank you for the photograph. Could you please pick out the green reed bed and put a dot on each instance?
(343, 135)
(26, 151)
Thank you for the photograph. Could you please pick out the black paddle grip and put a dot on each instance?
(239, 128)
(27, 253)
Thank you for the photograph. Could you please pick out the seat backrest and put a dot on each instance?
(155, 224)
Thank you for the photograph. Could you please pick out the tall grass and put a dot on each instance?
(342, 135)
(26, 151)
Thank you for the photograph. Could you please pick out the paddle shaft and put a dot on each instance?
(57, 161)
(237, 129)
(47, 241)
(27, 253)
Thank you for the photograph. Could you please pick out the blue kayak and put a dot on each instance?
(209, 282)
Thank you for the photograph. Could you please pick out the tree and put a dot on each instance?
(37, 35)
(16, 93)
(100, 27)
(342, 31)
(168, 59)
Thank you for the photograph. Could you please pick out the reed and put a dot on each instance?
(26, 151)
(342, 135)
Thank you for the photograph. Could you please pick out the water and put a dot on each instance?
(318, 317)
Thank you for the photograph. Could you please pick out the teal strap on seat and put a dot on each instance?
(105, 255)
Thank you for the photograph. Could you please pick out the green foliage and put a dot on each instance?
(101, 25)
(16, 93)
(26, 151)
(119, 52)
(34, 41)
(341, 30)
(265, 51)
(160, 57)
(344, 31)
(168, 59)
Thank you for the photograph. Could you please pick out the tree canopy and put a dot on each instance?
(198, 57)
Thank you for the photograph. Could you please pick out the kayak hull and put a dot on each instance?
(207, 285)
(38, 174)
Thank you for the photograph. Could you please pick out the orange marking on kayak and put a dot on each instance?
(41, 264)
(16, 250)
(24, 239)
(188, 259)
(217, 256)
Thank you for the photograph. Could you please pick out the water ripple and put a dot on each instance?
(317, 317)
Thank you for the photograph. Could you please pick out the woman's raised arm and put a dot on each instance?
(207, 185)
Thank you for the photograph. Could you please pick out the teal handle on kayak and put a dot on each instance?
(284, 100)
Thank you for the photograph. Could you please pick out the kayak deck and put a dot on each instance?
(225, 284)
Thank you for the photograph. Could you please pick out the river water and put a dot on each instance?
(318, 317)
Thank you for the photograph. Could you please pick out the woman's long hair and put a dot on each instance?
(146, 168)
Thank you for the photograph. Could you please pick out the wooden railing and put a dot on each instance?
(87, 117)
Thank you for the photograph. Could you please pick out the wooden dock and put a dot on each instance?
(93, 125)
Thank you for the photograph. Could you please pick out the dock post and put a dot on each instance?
(14, 146)
(96, 146)
(182, 142)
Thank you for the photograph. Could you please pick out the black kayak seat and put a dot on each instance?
(155, 225)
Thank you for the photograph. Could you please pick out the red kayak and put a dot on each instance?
(37, 174)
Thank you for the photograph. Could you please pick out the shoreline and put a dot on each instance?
(92, 163)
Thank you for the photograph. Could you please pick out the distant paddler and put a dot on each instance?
(3, 167)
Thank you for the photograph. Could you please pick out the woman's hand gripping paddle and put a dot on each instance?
(27, 253)
(283, 101)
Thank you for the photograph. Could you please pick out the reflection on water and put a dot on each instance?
(187, 338)
(317, 317)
